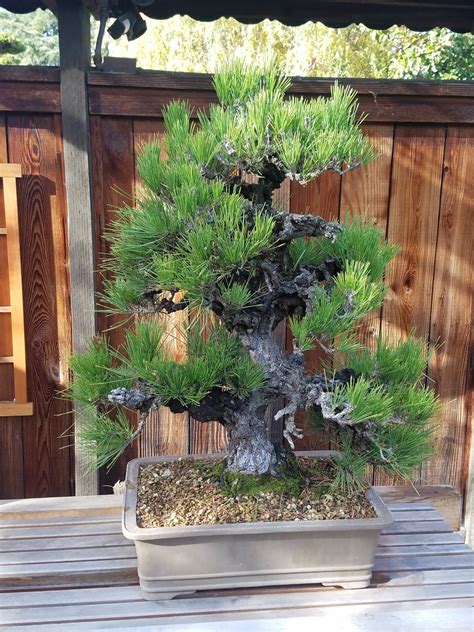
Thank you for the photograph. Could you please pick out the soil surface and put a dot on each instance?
(187, 492)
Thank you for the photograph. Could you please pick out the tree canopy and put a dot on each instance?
(183, 44)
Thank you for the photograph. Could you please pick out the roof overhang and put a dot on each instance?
(419, 15)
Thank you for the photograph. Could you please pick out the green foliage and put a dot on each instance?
(143, 347)
(400, 448)
(389, 394)
(216, 361)
(237, 294)
(361, 241)
(402, 363)
(349, 468)
(104, 437)
(149, 165)
(313, 251)
(36, 37)
(368, 400)
(238, 83)
(304, 137)
(10, 48)
(94, 374)
(437, 54)
(288, 483)
(309, 50)
(336, 311)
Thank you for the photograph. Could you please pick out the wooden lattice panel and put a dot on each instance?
(13, 393)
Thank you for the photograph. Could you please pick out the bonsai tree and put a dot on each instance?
(206, 237)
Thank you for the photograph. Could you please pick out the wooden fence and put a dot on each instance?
(420, 192)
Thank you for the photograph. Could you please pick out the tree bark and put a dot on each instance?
(250, 451)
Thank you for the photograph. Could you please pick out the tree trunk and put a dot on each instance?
(250, 450)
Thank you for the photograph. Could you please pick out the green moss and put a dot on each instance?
(287, 481)
(292, 479)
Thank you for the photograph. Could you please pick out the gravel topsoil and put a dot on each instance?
(185, 492)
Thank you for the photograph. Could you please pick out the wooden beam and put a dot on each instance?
(74, 48)
(468, 526)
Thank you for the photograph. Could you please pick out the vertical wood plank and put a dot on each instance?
(320, 197)
(365, 192)
(113, 184)
(413, 225)
(11, 439)
(164, 432)
(74, 59)
(32, 144)
(451, 310)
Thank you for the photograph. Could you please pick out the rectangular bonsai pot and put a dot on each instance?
(180, 560)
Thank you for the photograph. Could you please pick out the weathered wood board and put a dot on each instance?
(71, 567)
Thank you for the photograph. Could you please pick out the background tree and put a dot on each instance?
(203, 238)
(10, 47)
(311, 50)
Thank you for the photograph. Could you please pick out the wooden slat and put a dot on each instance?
(390, 619)
(113, 186)
(10, 171)
(39, 508)
(32, 143)
(12, 409)
(145, 102)
(143, 132)
(74, 25)
(451, 315)
(136, 610)
(400, 539)
(413, 224)
(320, 197)
(27, 97)
(300, 85)
(76, 596)
(366, 193)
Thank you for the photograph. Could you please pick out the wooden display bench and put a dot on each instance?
(65, 565)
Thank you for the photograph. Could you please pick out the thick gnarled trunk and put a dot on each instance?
(249, 449)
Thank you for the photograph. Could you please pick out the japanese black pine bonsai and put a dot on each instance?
(206, 237)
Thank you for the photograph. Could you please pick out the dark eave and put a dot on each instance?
(418, 15)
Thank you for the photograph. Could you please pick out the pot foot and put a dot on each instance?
(163, 596)
(349, 585)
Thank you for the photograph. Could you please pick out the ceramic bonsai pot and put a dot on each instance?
(180, 560)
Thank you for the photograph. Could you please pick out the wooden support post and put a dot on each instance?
(74, 48)
(468, 526)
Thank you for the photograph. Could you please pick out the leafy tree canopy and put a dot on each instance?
(183, 44)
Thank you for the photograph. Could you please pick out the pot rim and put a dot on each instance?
(132, 531)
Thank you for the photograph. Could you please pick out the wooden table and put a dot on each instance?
(64, 565)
